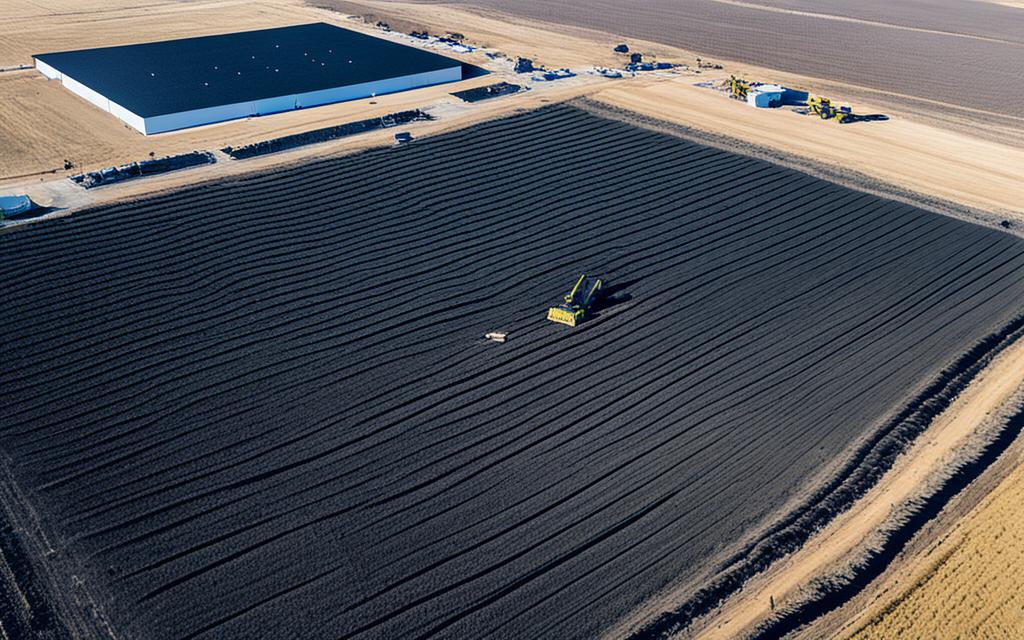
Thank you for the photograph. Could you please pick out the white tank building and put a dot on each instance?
(765, 96)
(770, 96)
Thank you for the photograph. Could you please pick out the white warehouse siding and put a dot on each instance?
(79, 89)
(47, 70)
(380, 87)
(135, 122)
(185, 119)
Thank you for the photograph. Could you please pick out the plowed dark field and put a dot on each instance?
(967, 54)
(264, 407)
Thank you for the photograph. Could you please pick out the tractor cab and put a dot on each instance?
(578, 303)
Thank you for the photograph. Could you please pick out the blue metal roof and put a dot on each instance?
(159, 78)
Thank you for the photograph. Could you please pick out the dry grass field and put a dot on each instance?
(975, 586)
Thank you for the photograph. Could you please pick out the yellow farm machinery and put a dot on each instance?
(824, 109)
(738, 88)
(577, 303)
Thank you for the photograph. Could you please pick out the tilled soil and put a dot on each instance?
(965, 54)
(264, 407)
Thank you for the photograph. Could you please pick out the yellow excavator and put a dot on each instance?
(738, 88)
(578, 302)
(824, 109)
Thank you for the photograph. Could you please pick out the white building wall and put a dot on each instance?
(379, 87)
(47, 70)
(76, 87)
(136, 122)
(273, 105)
(197, 117)
(96, 98)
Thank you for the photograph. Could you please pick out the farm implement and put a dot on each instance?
(824, 109)
(738, 88)
(578, 302)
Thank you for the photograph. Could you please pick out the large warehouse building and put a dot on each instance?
(164, 86)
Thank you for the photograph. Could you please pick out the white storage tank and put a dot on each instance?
(13, 205)
(765, 96)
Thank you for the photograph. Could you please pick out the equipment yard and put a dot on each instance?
(504, 320)
(960, 55)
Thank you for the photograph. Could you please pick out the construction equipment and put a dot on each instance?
(738, 88)
(578, 302)
(824, 109)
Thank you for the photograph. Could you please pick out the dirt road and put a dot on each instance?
(842, 539)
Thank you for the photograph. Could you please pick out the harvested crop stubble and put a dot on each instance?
(976, 588)
(264, 406)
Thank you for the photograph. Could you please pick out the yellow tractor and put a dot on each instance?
(738, 88)
(578, 302)
(824, 109)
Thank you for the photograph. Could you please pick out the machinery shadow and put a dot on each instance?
(613, 296)
(869, 117)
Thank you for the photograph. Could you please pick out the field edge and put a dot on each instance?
(865, 466)
(32, 571)
(847, 177)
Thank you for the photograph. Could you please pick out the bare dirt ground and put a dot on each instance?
(993, 391)
(962, 162)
